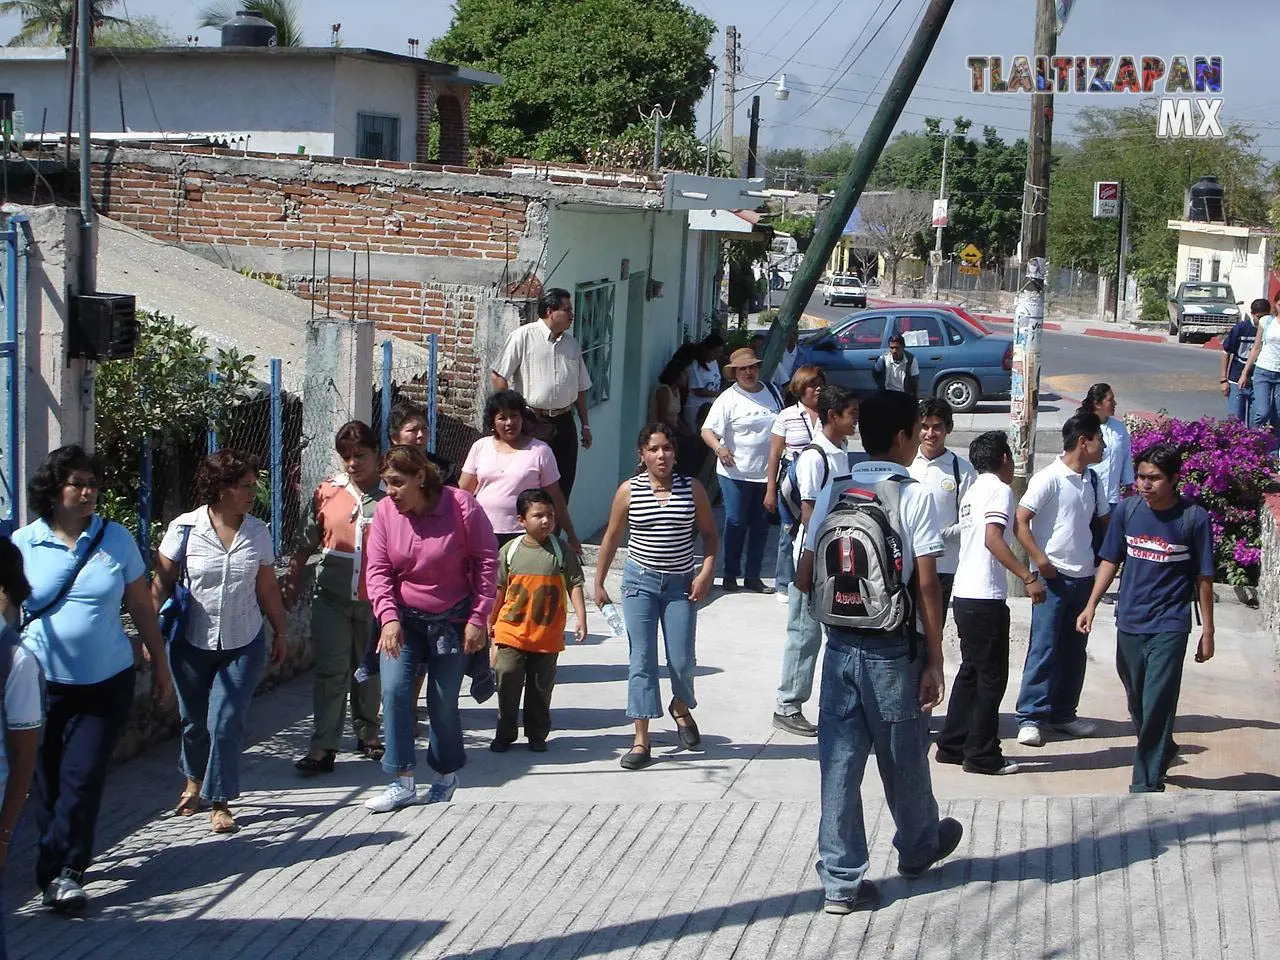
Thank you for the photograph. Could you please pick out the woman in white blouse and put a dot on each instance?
(227, 558)
(738, 430)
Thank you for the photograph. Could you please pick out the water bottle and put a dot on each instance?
(613, 616)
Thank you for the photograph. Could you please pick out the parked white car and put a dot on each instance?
(844, 288)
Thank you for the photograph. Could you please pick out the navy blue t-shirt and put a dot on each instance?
(1239, 343)
(1163, 553)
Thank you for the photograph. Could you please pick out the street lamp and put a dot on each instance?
(781, 92)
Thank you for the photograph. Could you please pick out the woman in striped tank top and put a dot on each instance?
(661, 583)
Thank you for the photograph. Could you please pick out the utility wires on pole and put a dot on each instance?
(657, 116)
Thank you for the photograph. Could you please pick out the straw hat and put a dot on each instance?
(742, 357)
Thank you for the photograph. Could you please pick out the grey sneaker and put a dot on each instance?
(442, 789)
(867, 898)
(64, 894)
(1078, 727)
(794, 723)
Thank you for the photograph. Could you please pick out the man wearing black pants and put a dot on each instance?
(544, 363)
(971, 733)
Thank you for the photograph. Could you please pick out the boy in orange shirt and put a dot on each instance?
(534, 574)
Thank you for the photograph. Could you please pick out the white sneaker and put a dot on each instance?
(1008, 768)
(1029, 735)
(396, 795)
(782, 597)
(1078, 727)
(442, 789)
(64, 894)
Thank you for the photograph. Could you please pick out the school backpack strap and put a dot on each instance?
(789, 488)
(773, 392)
(65, 589)
(955, 472)
(557, 549)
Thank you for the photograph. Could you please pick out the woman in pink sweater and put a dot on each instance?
(431, 570)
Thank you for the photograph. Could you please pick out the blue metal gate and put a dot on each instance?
(13, 292)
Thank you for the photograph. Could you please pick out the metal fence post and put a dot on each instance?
(277, 459)
(433, 346)
(13, 375)
(211, 442)
(384, 415)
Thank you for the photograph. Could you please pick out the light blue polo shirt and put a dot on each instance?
(81, 640)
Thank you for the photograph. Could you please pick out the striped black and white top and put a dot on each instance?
(662, 534)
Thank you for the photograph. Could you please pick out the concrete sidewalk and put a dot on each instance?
(705, 854)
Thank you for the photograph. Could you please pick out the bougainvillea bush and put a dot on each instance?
(1227, 468)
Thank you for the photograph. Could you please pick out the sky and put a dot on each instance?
(832, 63)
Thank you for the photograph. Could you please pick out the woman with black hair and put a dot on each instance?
(1115, 472)
(81, 567)
(228, 560)
(509, 461)
(667, 407)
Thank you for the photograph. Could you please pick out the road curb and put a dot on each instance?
(1008, 321)
(1124, 335)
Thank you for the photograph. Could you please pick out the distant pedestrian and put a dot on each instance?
(794, 429)
(81, 568)
(898, 369)
(786, 368)
(509, 461)
(431, 570)
(1262, 370)
(21, 707)
(705, 381)
(878, 686)
(1237, 346)
(758, 342)
(1055, 522)
(662, 585)
(667, 406)
(535, 578)
(823, 462)
(544, 363)
(971, 734)
(947, 476)
(226, 556)
(337, 524)
(1166, 545)
(738, 431)
(1115, 472)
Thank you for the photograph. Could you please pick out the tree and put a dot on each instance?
(892, 224)
(50, 22)
(576, 71)
(283, 14)
(138, 32)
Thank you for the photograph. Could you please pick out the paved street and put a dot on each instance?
(706, 854)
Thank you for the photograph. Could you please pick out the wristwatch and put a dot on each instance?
(1031, 579)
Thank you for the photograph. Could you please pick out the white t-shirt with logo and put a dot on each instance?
(1064, 505)
(744, 423)
(980, 575)
(938, 476)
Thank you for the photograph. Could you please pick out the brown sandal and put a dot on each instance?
(188, 803)
(222, 821)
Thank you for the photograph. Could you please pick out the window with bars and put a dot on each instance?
(593, 329)
(377, 137)
(1194, 266)
(1240, 256)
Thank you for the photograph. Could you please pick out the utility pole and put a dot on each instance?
(942, 195)
(1122, 251)
(1029, 310)
(730, 78)
(831, 223)
(753, 141)
(657, 116)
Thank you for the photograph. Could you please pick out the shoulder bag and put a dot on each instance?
(175, 611)
(34, 615)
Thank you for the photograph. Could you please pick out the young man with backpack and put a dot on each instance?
(1055, 524)
(817, 466)
(947, 476)
(870, 567)
(1166, 545)
(971, 735)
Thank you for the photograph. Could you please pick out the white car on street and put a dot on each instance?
(844, 288)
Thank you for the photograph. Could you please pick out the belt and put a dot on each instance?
(552, 414)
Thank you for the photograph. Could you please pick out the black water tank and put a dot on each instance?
(1204, 201)
(247, 29)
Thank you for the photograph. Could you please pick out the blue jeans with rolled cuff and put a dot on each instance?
(215, 688)
(445, 753)
(799, 654)
(1053, 675)
(869, 702)
(649, 600)
(745, 523)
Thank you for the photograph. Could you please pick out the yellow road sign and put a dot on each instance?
(970, 271)
(971, 255)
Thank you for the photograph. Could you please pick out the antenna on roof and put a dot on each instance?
(334, 39)
(413, 46)
(193, 40)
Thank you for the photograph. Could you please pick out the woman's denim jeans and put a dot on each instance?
(650, 598)
(214, 689)
(745, 522)
(1266, 399)
(445, 753)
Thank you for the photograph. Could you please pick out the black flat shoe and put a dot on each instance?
(637, 758)
(690, 738)
(730, 585)
(756, 585)
(308, 766)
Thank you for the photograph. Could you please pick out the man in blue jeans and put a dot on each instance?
(1236, 348)
(877, 688)
(1055, 524)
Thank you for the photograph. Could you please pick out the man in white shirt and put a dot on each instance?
(877, 689)
(947, 476)
(971, 735)
(897, 370)
(1055, 524)
(819, 465)
(545, 363)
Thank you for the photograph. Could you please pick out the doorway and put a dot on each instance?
(635, 390)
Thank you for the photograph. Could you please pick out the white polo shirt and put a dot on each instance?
(1064, 506)
(548, 371)
(897, 371)
(980, 575)
(938, 476)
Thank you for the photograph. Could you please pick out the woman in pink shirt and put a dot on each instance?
(431, 571)
(501, 466)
